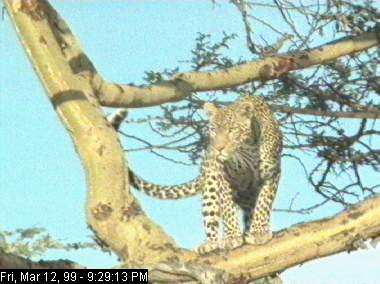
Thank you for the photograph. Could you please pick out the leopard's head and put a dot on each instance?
(230, 128)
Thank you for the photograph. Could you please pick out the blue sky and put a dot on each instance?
(124, 39)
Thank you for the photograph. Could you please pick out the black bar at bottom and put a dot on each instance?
(62, 276)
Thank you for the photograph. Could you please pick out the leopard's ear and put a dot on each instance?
(246, 110)
(210, 108)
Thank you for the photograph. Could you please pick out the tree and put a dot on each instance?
(332, 88)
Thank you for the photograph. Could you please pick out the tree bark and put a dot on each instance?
(344, 232)
(112, 212)
(271, 67)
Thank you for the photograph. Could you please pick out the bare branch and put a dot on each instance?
(183, 84)
(347, 114)
(243, 7)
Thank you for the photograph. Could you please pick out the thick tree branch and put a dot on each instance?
(304, 242)
(183, 84)
(112, 212)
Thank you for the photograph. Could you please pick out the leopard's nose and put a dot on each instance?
(218, 146)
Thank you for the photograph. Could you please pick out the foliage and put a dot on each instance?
(33, 242)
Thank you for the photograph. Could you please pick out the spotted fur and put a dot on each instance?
(242, 167)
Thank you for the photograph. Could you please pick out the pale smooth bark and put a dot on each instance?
(271, 67)
(344, 232)
(112, 212)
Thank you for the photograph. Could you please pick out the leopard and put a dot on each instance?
(241, 169)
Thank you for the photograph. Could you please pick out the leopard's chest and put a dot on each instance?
(243, 170)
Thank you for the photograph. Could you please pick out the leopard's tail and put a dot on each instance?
(165, 192)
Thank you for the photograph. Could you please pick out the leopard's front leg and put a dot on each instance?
(259, 231)
(232, 232)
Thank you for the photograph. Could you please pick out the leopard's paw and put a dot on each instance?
(231, 242)
(207, 247)
(258, 238)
